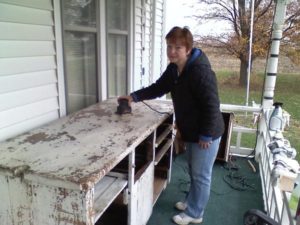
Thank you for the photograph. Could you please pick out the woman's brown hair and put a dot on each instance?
(182, 34)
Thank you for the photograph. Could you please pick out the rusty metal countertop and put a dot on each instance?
(82, 147)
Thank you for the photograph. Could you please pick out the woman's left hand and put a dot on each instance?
(204, 144)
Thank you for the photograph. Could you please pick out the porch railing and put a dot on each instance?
(276, 202)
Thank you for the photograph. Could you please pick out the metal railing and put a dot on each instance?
(276, 202)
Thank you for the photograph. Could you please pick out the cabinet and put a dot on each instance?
(223, 152)
(91, 167)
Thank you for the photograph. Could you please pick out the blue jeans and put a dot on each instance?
(200, 163)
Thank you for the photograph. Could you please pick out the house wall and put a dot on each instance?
(159, 59)
(141, 49)
(28, 67)
(31, 67)
(149, 42)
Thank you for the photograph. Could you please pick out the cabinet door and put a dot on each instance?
(142, 197)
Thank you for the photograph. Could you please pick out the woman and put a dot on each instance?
(194, 93)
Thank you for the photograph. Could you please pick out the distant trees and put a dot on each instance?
(237, 13)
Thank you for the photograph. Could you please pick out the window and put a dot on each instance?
(80, 49)
(81, 37)
(117, 51)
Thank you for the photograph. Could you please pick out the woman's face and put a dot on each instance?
(177, 52)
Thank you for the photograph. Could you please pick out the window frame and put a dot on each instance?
(101, 48)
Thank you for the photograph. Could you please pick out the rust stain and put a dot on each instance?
(85, 186)
(20, 214)
(63, 192)
(78, 173)
(63, 217)
(35, 138)
(11, 149)
(74, 206)
(72, 138)
(95, 110)
(30, 192)
(88, 182)
(69, 220)
(131, 140)
(87, 130)
(42, 136)
(94, 158)
(58, 206)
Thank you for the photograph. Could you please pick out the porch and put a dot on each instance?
(235, 189)
(243, 182)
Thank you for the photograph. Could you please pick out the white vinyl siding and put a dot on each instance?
(148, 14)
(149, 42)
(138, 46)
(12, 49)
(143, 43)
(28, 15)
(28, 66)
(31, 65)
(159, 52)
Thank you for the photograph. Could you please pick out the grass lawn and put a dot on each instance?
(286, 91)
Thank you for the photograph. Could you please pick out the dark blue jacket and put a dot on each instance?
(195, 98)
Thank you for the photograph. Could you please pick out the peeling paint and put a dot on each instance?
(63, 192)
(94, 158)
(43, 137)
(72, 153)
(20, 170)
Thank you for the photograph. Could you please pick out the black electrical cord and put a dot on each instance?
(156, 110)
(235, 180)
(238, 182)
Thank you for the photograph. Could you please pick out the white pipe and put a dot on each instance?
(250, 52)
(240, 108)
(272, 62)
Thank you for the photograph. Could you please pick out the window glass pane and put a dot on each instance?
(80, 12)
(80, 62)
(117, 70)
(117, 14)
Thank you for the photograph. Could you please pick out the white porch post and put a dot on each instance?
(271, 71)
(272, 63)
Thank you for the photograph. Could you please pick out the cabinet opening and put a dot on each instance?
(143, 157)
(161, 174)
(116, 213)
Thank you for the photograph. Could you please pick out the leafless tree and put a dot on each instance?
(237, 13)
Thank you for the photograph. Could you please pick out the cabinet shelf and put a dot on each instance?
(163, 135)
(159, 185)
(161, 152)
(105, 193)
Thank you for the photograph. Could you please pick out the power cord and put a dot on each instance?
(238, 182)
(235, 180)
(155, 109)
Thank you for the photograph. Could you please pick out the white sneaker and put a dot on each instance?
(180, 206)
(183, 219)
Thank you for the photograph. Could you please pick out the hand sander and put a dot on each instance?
(123, 107)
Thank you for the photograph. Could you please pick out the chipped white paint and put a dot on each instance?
(142, 199)
(51, 175)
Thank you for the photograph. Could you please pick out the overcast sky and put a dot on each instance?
(179, 13)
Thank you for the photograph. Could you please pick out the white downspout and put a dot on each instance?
(272, 62)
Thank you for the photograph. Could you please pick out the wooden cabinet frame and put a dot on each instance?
(74, 170)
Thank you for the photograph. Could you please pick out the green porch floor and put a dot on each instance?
(226, 206)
